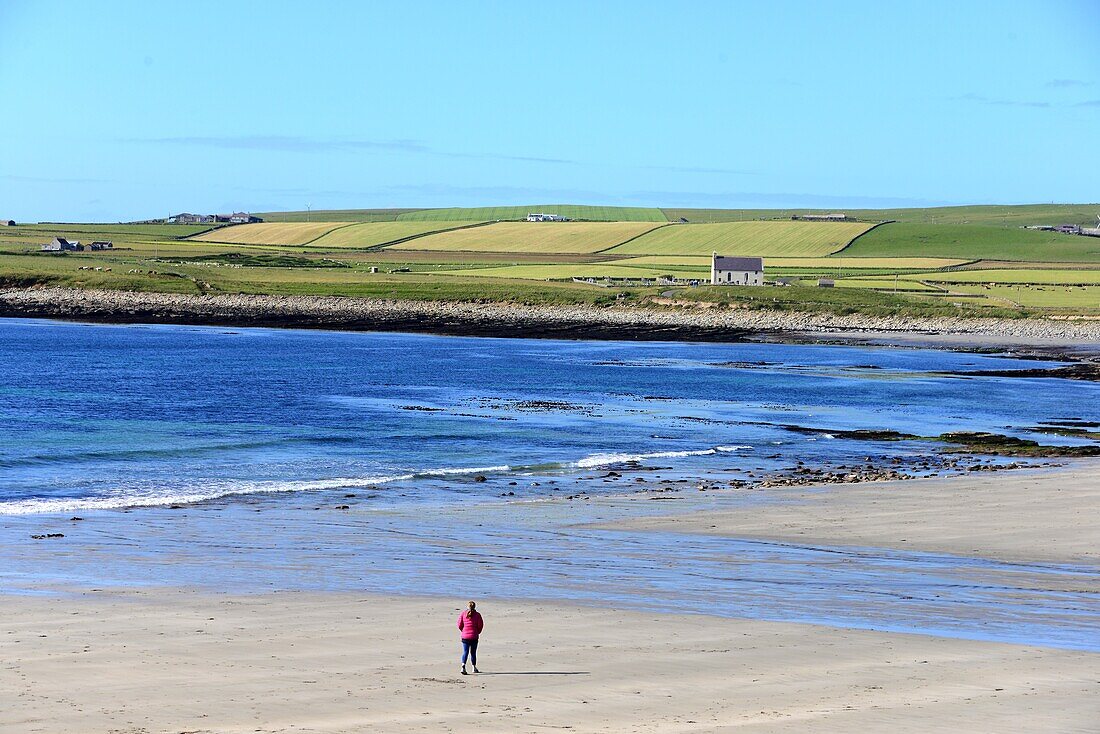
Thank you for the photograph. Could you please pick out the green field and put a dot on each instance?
(372, 234)
(336, 215)
(573, 211)
(270, 233)
(549, 237)
(85, 232)
(822, 264)
(767, 239)
(1082, 299)
(1038, 276)
(595, 270)
(993, 215)
(973, 242)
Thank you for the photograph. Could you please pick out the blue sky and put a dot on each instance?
(122, 110)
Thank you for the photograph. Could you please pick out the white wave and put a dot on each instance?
(460, 470)
(185, 497)
(597, 460)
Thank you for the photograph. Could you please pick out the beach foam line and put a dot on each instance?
(121, 500)
(597, 460)
(460, 471)
(43, 505)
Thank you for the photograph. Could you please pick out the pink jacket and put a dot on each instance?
(470, 626)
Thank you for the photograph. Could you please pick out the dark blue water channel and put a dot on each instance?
(257, 436)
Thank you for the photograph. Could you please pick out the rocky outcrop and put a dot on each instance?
(500, 319)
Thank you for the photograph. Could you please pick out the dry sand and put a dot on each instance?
(180, 661)
(1048, 515)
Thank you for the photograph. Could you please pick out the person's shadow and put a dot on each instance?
(535, 672)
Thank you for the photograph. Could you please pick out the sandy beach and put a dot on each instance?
(1030, 515)
(173, 661)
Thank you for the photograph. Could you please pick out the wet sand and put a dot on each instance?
(173, 661)
(1050, 515)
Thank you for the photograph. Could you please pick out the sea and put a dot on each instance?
(250, 459)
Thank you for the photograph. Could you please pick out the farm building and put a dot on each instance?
(825, 283)
(102, 245)
(187, 218)
(736, 270)
(7, 222)
(237, 218)
(835, 217)
(60, 244)
(546, 218)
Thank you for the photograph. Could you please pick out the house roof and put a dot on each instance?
(738, 263)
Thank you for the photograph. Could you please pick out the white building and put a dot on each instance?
(60, 244)
(546, 218)
(736, 270)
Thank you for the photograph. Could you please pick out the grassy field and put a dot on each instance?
(372, 234)
(775, 239)
(973, 242)
(1080, 299)
(891, 283)
(573, 211)
(549, 237)
(996, 215)
(336, 215)
(809, 263)
(42, 233)
(270, 233)
(1038, 276)
(593, 270)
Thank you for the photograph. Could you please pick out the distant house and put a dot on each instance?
(825, 283)
(736, 270)
(187, 218)
(7, 222)
(243, 218)
(546, 218)
(1068, 229)
(60, 244)
(102, 245)
(835, 217)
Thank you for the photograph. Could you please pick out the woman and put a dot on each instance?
(470, 625)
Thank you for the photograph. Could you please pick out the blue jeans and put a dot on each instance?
(469, 648)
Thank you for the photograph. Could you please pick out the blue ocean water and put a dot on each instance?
(117, 416)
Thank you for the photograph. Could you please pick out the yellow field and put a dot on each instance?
(546, 237)
(270, 233)
(813, 263)
(377, 233)
(775, 239)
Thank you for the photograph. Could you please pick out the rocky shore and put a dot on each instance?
(508, 320)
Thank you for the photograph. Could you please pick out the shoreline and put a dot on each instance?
(1047, 336)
